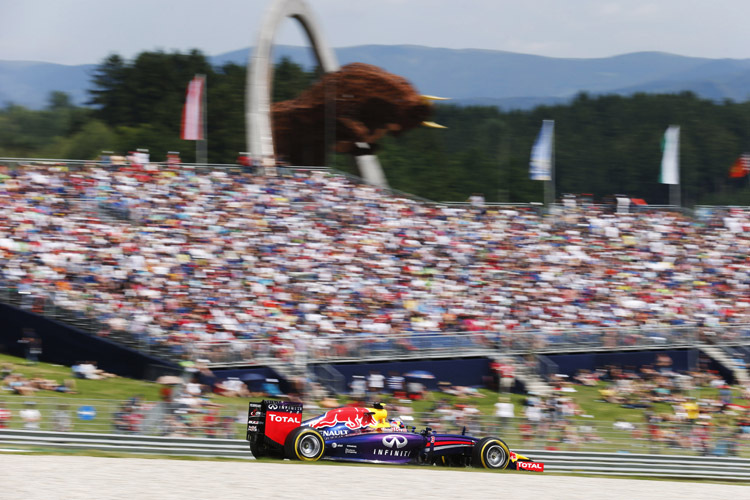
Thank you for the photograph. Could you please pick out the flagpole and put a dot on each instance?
(674, 195)
(550, 184)
(201, 145)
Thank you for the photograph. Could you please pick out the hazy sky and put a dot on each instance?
(86, 31)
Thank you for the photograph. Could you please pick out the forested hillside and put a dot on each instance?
(603, 145)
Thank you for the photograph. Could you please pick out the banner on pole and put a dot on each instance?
(540, 166)
(670, 161)
(741, 167)
(192, 112)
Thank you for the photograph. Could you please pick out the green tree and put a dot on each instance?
(289, 80)
(110, 91)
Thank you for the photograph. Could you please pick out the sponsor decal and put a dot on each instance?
(349, 451)
(284, 406)
(334, 433)
(394, 440)
(252, 428)
(284, 418)
(334, 445)
(353, 418)
(279, 425)
(513, 456)
(391, 452)
(533, 466)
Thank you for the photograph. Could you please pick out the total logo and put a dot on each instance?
(533, 466)
(284, 418)
(393, 440)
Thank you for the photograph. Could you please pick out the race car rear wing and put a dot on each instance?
(269, 422)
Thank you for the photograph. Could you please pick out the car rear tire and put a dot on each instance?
(305, 444)
(491, 453)
(257, 449)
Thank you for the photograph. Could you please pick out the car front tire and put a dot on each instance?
(491, 453)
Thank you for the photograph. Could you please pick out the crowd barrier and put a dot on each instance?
(405, 346)
(402, 346)
(227, 421)
(603, 464)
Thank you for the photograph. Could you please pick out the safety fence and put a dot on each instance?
(183, 416)
(365, 347)
(419, 345)
(609, 464)
(551, 430)
(643, 465)
(23, 440)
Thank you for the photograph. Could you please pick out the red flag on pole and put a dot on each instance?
(741, 167)
(192, 114)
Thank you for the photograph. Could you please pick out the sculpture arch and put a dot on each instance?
(260, 70)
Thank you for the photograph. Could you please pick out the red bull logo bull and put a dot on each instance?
(353, 418)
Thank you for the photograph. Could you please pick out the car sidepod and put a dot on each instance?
(376, 447)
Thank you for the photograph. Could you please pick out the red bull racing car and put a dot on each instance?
(359, 434)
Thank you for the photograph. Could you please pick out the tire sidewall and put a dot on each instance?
(257, 450)
(294, 439)
(482, 448)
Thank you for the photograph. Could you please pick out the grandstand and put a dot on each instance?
(216, 263)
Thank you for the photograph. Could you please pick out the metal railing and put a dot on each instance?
(137, 444)
(643, 465)
(183, 416)
(585, 463)
(553, 432)
(404, 346)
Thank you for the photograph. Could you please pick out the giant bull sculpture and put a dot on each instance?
(350, 109)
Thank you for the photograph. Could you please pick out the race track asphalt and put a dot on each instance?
(47, 477)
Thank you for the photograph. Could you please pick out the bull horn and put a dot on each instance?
(433, 125)
(434, 98)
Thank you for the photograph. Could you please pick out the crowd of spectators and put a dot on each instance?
(301, 259)
(12, 382)
(695, 410)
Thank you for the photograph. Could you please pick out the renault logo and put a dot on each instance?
(398, 441)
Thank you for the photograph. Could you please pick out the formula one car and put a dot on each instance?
(357, 434)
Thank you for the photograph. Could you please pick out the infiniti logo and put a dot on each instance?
(390, 441)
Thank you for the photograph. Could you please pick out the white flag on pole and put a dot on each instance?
(540, 166)
(670, 160)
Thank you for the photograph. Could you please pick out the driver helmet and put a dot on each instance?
(396, 424)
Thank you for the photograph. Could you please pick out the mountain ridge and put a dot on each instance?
(505, 79)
